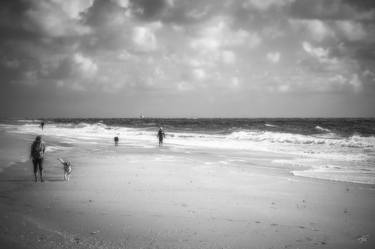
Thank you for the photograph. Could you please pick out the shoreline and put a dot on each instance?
(141, 202)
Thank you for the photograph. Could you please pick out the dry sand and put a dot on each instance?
(149, 199)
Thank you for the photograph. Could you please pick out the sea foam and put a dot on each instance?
(310, 150)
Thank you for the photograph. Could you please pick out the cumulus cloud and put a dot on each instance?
(356, 82)
(169, 46)
(55, 18)
(317, 52)
(353, 31)
(265, 4)
(199, 74)
(228, 57)
(144, 38)
(85, 65)
(218, 34)
(184, 86)
(149, 10)
(317, 29)
(273, 57)
(72, 8)
(333, 9)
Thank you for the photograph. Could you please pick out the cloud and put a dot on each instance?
(54, 19)
(123, 3)
(73, 8)
(356, 82)
(106, 14)
(317, 52)
(11, 63)
(199, 74)
(333, 9)
(273, 57)
(218, 34)
(184, 86)
(353, 31)
(161, 47)
(317, 29)
(86, 66)
(228, 57)
(150, 10)
(265, 4)
(234, 82)
(144, 39)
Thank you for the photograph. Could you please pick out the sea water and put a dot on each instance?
(331, 149)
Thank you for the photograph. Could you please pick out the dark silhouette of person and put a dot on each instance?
(42, 125)
(116, 139)
(161, 136)
(37, 155)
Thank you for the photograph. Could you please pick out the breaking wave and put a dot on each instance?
(326, 154)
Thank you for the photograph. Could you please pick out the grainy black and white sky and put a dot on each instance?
(187, 58)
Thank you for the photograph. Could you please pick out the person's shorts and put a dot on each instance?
(38, 164)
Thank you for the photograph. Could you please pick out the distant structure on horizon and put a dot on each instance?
(141, 116)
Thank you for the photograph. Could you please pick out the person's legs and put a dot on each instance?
(35, 164)
(41, 169)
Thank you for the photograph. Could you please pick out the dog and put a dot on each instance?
(67, 168)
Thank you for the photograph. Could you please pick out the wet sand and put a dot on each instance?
(152, 198)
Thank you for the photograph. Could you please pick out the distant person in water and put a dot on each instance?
(161, 136)
(116, 139)
(42, 125)
(37, 155)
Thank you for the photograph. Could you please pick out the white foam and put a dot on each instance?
(322, 129)
(337, 174)
(54, 148)
(308, 150)
(270, 125)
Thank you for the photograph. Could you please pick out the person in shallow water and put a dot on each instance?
(116, 139)
(37, 155)
(161, 135)
(42, 125)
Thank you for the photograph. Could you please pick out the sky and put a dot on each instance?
(187, 58)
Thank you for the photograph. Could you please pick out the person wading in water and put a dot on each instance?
(161, 136)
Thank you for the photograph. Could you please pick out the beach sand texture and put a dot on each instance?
(129, 197)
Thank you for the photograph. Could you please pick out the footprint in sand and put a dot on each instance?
(363, 239)
(320, 243)
(77, 240)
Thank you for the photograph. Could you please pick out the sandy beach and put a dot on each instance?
(127, 197)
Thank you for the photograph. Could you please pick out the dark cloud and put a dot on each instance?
(333, 9)
(103, 13)
(361, 4)
(13, 24)
(149, 9)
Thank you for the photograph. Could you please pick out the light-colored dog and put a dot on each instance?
(67, 168)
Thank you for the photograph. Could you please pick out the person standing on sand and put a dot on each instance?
(42, 125)
(37, 155)
(161, 136)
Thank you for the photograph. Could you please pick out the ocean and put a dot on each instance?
(330, 149)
